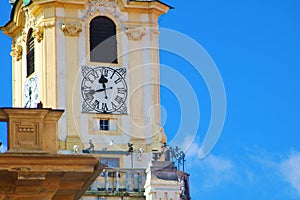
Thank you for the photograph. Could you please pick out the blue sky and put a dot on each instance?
(256, 47)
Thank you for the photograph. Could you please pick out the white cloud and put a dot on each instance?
(193, 151)
(256, 170)
(212, 170)
(3, 149)
(218, 164)
(253, 169)
(290, 169)
(217, 170)
(281, 171)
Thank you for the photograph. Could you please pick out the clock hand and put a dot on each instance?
(101, 90)
(103, 80)
(104, 88)
(30, 93)
(26, 105)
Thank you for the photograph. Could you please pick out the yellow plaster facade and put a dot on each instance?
(61, 32)
(62, 47)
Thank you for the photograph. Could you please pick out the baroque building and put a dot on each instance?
(98, 60)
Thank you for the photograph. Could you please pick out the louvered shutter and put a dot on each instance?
(103, 42)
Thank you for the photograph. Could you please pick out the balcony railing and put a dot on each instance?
(130, 182)
(119, 181)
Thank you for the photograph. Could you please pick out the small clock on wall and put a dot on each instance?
(26, 2)
(30, 93)
(104, 90)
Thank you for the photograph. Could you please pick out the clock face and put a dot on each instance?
(104, 90)
(31, 96)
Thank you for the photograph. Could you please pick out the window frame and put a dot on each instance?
(30, 53)
(116, 39)
(115, 124)
(104, 124)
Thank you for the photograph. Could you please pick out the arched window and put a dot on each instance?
(30, 53)
(103, 42)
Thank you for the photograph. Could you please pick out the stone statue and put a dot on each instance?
(166, 152)
(91, 147)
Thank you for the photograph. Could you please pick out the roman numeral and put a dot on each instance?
(122, 90)
(122, 72)
(104, 107)
(96, 104)
(114, 106)
(118, 80)
(89, 95)
(113, 74)
(104, 72)
(97, 72)
(118, 99)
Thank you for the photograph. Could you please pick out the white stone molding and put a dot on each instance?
(135, 32)
(16, 52)
(38, 33)
(71, 29)
(103, 7)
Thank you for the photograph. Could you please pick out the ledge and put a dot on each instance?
(56, 176)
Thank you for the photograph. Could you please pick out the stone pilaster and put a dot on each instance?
(31, 130)
(162, 181)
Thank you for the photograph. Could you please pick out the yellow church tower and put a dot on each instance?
(99, 61)
(96, 59)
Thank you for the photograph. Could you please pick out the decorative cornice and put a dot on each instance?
(103, 7)
(16, 52)
(71, 29)
(48, 24)
(38, 31)
(135, 33)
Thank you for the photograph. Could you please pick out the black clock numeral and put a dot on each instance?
(122, 90)
(94, 74)
(105, 72)
(122, 72)
(96, 104)
(104, 107)
(119, 99)
(98, 73)
(114, 106)
(85, 70)
(122, 109)
(89, 95)
(113, 74)
(118, 80)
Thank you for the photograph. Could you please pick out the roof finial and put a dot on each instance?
(12, 2)
(39, 105)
